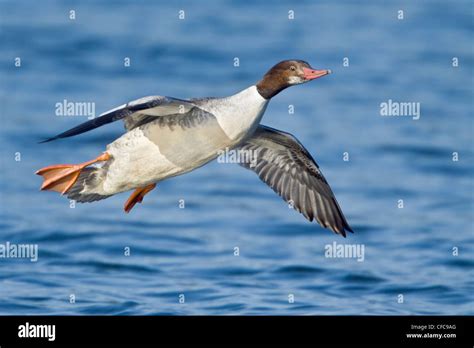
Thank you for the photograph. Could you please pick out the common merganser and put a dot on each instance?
(166, 137)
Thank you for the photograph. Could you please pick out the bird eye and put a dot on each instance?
(293, 68)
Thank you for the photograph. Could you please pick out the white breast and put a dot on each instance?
(240, 114)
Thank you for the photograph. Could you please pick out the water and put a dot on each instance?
(190, 251)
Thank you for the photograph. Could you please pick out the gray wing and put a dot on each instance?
(288, 168)
(134, 114)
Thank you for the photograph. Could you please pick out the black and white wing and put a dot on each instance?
(288, 168)
(134, 114)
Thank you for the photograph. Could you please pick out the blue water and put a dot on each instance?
(190, 251)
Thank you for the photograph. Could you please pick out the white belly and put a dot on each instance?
(137, 162)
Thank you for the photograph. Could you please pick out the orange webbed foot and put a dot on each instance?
(61, 177)
(137, 197)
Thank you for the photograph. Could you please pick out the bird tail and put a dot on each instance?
(88, 186)
(77, 182)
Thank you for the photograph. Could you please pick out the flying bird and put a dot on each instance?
(167, 136)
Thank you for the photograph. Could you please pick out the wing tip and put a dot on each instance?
(47, 140)
(347, 227)
(341, 230)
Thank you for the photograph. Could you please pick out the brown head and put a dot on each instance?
(285, 74)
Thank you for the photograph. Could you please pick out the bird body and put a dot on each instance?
(166, 137)
(178, 143)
